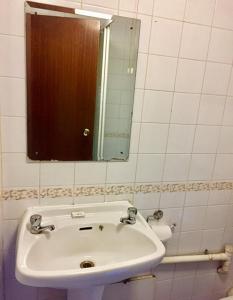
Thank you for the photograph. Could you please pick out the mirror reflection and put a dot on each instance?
(81, 69)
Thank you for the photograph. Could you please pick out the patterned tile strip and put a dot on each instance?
(77, 191)
(56, 192)
(89, 191)
(20, 194)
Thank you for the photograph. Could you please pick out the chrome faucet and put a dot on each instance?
(36, 227)
(131, 218)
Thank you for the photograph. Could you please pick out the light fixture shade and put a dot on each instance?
(93, 14)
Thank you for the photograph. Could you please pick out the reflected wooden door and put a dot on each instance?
(62, 56)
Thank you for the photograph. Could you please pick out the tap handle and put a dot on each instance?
(35, 220)
(132, 211)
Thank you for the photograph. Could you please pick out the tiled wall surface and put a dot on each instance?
(182, 132)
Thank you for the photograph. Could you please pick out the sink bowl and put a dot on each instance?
(91, 249)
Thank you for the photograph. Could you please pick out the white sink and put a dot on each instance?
(118, 251)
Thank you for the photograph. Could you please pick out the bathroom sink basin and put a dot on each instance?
(88, 247)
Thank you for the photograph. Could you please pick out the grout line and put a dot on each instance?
(137, 4)
(217, 150)
(194, 23)
(173, 96)
(141, 113)
(182, 92)
(165, 158)
(187, 58)
(150, 15)
(205, 70)
(184, 124)
(143, 98)
(154, 123)
(118, 7)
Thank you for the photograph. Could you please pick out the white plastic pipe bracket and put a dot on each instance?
(225, 267)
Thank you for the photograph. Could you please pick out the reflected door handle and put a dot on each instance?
(86, 132)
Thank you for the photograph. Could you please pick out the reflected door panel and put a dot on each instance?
(61, 86)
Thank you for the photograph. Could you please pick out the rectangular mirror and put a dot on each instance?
(81, 69)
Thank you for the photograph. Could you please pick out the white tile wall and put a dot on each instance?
(223, 16)
(185, 108)
(144, 32)
(153, 138)
(175, 199)
(230, 89)
(226, 143)
(130, 5)
(138, 104)
(12, 65)
(180, 138)
(172, 9)
(13, 98)
(145, 7)
(211, 109)
(227, 120)
(200, 12)
(199, 34)
(64, 174)
(13, 134)
(216, 78)
(201, 143)
(182, 131)
(190, 76)
(157, 106)
(164, 78)
(18, 172)
(176, 167)
(201, 167)
(193, 218)
(119, 172)
(149, 167)
(135, 134)
(223, 167)
(221, 46)
(165, 37)
(90, 173)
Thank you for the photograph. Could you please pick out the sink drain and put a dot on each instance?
(87, 264)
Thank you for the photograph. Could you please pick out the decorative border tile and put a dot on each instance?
(20, 194)
(56, 192)
(89, 191)
(114, 189)
(119, 189)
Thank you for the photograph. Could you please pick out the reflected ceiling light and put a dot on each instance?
(93, 14)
